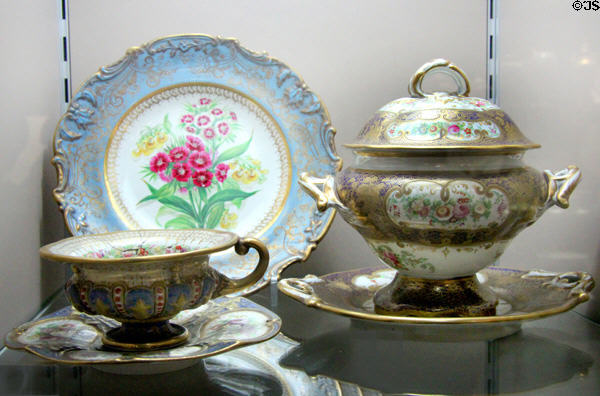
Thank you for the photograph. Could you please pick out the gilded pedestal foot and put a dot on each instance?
(406, 296)
(145, 336)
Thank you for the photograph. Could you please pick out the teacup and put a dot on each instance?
(142, 278)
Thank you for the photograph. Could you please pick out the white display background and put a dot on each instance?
(30, 106)
(549, 83)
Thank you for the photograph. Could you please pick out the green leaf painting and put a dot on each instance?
(196, 168)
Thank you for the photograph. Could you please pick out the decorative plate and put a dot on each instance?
(523, 295)
(72, 337)
(194, 131)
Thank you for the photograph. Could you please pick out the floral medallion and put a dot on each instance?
(459, 131)
(437, 102)
(401, 259)
(135, 250)
(458, 204)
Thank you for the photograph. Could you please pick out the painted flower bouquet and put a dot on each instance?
(190, 166)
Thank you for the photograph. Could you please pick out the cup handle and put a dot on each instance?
(242, 247)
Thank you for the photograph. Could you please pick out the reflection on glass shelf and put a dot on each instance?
(522, 362)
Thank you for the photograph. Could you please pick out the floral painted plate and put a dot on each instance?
(523, 295)
(194, 131)
(71, 337)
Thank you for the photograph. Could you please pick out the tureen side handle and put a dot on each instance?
(300, 289)
(326, 198)
(560, 186)
(242, 247)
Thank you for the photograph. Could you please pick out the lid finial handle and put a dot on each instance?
(439, 66)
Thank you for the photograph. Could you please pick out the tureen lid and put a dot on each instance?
(440, 121)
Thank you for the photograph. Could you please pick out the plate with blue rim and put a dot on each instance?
(195, 131)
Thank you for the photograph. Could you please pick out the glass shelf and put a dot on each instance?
(329, 354)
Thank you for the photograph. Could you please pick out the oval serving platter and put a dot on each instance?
(523, 295)
(194, 131)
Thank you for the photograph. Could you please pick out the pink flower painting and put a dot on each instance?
(221, 172)
(203, 120)
(159, 162)
(187, 118)
(194, 144)
(223, 128)
(453, 129)
(200, 160)
(181, 172)
(202, 178)
(209, 133)
(189, 174)
(179, 154)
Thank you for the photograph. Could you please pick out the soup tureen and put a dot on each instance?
(438, 189)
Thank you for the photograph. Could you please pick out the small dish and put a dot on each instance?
(523, 295)
(194, 131)
(71, 337)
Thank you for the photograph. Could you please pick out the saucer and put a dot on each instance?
(71, 337)
(523, 295)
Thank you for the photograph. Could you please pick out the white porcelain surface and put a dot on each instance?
(450, 262)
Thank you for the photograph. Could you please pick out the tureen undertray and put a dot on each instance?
(523, 295)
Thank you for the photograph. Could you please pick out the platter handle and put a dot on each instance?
(300, 289)
(580, 283)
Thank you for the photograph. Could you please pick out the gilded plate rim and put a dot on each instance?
(288, 240)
